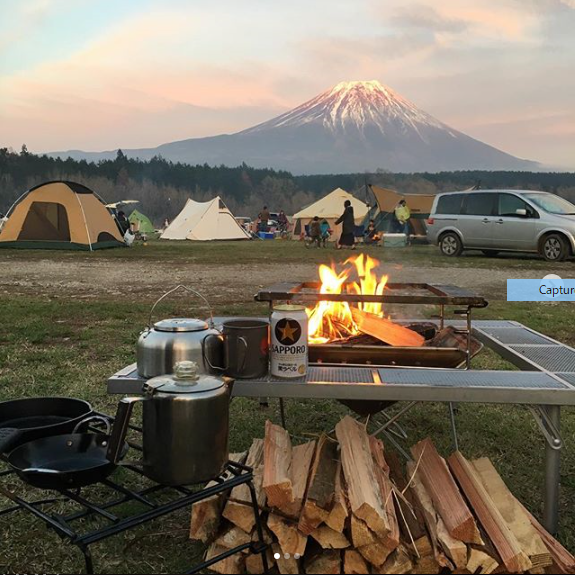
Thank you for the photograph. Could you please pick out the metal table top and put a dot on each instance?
(538, 383)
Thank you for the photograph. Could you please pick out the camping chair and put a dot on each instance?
(358, 232)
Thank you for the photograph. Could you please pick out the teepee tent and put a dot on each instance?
(204, 221)
(329, 208)
(386, 201)
(141, 222)
(60, 215)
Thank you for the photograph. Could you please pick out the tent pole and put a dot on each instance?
(85, 222)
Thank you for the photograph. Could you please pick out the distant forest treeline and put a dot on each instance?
(162, 187)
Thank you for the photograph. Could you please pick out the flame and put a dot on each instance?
(331, 321)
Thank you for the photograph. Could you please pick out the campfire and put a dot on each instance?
(339, 321)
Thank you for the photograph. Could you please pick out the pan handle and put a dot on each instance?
(120, 429)
(8, 438)
(101, 418)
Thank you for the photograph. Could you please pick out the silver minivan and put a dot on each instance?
(503, 220)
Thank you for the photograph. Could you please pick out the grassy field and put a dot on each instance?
(63, 346)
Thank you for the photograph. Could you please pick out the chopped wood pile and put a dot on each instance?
(345, 505)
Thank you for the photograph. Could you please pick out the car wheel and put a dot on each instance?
(490, 253)
(554, 248)
(450, 245)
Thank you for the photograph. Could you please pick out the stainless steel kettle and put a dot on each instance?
(185, 423)
(167, 342)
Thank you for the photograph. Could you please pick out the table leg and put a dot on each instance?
(282, 413)
(552, 476)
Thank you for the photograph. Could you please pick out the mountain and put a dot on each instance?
(353, 127)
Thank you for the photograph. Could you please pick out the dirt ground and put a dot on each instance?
(131, 279)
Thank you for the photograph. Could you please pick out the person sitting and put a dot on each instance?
(371, 236)
(123, 222)
(315, 231)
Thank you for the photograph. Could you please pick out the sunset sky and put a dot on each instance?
(99, 74)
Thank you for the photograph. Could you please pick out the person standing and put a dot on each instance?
(402, 215)
(347, 221)
(264, 218)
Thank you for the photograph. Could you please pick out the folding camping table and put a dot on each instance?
(545, 382)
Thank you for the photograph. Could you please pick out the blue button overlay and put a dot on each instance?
(547, 289)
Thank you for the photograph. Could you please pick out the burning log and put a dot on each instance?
(386, 330)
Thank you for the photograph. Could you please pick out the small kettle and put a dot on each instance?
(164, 343)
(185, 425)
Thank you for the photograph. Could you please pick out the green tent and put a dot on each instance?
(142, 222)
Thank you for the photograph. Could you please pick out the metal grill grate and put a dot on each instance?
(482, 324)
(553, 358)
(462, 378)
(513, 335)
(568, 377)
(341, 374)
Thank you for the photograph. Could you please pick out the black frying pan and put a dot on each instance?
(23, 420)
(63, 461)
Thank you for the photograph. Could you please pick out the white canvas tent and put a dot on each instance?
(204, 221)
(329, 208)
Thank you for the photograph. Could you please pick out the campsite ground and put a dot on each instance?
(70, 319)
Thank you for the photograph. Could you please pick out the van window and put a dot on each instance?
(480, 204)
(450, 204)
(509, 203)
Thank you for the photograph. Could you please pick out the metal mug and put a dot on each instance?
(246, 348)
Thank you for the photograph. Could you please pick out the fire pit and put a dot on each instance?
(347, 322)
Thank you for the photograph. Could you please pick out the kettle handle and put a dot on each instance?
(190, 290)
(120, 429)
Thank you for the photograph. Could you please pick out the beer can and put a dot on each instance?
(289, 347)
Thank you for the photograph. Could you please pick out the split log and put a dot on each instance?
(328, 538)
(238, 510)
(375, 553)
(302, 458)
(480, 562)
(232, 565)
(501, 536)
(425, 561)
(410, 514)
(563, 561)
(232, 537)
(255, 564)
(430, 515)
(290, 540)
(206, 514)
(361, 534)
(277, 481)
(398, 563)
(445, 494)
(391, 540)
(454, 549)
(513, 514)
(327, 562)
(286, 565)
(354, 563)
(386, 330)
(321, 486)
(339, 513)
(358, 467)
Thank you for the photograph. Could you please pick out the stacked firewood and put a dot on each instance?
(344, 505)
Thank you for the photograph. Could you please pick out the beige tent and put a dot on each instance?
(204, 221)
(329, 208)
(60, 215)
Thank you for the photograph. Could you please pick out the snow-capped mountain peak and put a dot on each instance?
(355, 105)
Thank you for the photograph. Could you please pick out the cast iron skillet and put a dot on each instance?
(64, 461)
(23, 420)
